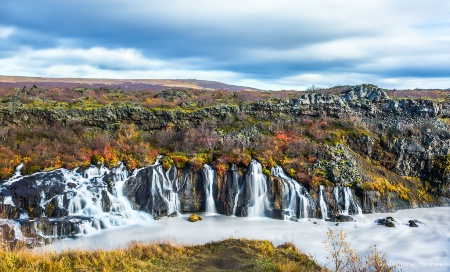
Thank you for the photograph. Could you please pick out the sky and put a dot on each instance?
(274, 44)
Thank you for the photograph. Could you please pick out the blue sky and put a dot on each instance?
(277, 44)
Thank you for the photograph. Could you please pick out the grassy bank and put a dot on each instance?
(231, 255)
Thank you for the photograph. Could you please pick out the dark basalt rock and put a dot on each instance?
(388, 222)
(26, 194)
(413, 223)
(344, 218)
(174, 214)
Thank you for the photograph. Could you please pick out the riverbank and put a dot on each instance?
(230, 254)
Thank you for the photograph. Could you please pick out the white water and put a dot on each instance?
(294, 195)
(94, 171)
(258, 182)
(416, 249)
(210, 207)
(88, 199)
(163, 187)
(17, 172)
(236, 201)
(237, 189)
(323, 204)
(119, 202)
(13, 225)
(348, 200)
(15, 177)
(8, 201)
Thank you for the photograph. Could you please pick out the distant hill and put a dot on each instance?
(125, 84)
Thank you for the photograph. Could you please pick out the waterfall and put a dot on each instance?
(17, 172)
(323, 204)
(347, 196)
(296, 201)
(93, 172)
(120, 204)
(236, 190)
(15, 226)
(209, 175)
(348, 203)
(163, 188)
(257, 185)
(90, 199)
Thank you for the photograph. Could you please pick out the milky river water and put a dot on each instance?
(426, 248)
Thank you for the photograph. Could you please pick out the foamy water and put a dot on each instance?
(426, 248)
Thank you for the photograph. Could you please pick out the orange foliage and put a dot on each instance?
(221, 168)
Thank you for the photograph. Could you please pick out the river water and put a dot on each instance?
(426, 248)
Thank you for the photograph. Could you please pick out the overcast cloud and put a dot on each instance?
(277, 44)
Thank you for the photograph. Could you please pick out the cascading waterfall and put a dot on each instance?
(82, 202)
(163, 188)
(236, 189)
(257, 183)
(336, 198)
(17, 172)
(209, 174)
(323, 204)
(15, 226)
(93, 172)
(352, 200)
(348, 202)
(170, 187)
(119, 202)
(90, 198)
(295, 201)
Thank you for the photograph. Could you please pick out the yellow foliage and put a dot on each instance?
(382, 185)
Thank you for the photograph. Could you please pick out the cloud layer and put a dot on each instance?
(283, 44)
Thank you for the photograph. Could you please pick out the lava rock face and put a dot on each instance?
(35, 195)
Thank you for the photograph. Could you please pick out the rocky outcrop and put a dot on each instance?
(340, 166)
(362, 101)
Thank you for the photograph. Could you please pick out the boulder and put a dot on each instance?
(387, 222)
(344, 218)
(194, 218)
(413, 223)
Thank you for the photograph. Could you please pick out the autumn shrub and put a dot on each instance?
(180, 161)
(342, 257)
(196, 163)
(97, 159)
(8, 161)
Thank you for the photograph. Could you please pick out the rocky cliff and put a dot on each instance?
(399, 160)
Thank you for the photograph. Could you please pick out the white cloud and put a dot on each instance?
(324, 43)
(5, 32)
(122, 58)
(415, 82)
(104, 63)
(127, 63)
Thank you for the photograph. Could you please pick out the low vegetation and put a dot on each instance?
(230, 254)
